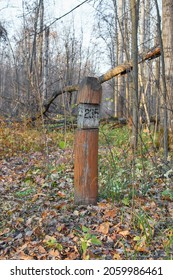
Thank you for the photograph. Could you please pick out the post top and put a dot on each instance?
(90, 91)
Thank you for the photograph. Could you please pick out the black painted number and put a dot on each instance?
(91, 113)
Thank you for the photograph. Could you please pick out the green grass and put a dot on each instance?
(123, 173)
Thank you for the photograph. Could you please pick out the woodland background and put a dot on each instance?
(42, 65)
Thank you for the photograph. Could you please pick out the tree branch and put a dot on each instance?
(118, 70)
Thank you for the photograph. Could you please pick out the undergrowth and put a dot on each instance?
(123, 173)
(138, 186)
(16, 138)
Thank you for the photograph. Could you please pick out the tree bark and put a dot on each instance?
(134, 18)
(46, 63)
(164, 82)
(167, 37)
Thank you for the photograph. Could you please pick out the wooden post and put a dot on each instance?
(86, 142)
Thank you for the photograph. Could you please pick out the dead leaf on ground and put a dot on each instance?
(37, 195)
(170, 209)
(104, 228)
(61, 205)
(54, 253)
(41, 250)
(141, 248)
(103, 205)
(110, 213)
(117, 256)
(4, 231)
(61, 194)
(23, 256)
(124, 233)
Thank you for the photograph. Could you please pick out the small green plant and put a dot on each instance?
(114, 183)
(145, 224)
(168, 244)
(51, 242)
(167, 194)
(24, 193)
(62, 145)
(86, 240)
(126, 201)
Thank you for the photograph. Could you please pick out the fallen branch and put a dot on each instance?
(55, 94)
(127, 67)
(118, 70)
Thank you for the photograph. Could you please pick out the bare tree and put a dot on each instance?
(135, 99)
(165, 112)
(167, 35)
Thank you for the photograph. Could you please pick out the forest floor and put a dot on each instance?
(133, 219)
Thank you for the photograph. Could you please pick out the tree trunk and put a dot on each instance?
(46, 64)
(40, 53)
(164, 82)
(135, 98)
(167, 36)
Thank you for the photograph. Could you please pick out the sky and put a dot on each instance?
(83, 16)
(11, 12)
(11, 17)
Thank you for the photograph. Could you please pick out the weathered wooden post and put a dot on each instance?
(86, 142)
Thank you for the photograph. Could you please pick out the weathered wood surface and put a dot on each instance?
(90, 91)
(118, 70)
(86, 142)
(86, 167)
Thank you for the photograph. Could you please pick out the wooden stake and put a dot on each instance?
(86, 142)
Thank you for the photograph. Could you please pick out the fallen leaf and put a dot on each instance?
(153, 204)
(48, 237)
(141, 248)
(61, 205)
(73, 255)
(37, 195)
(19, 236)
(141, 244)
(41, 250)
(170, 209)
(54, 253)
(76, 213)
(61, 194)
(124, 233)
(23, 256)
(114, 236)
(4, 231)
(117, 257)
(103, 205)
(29, 233)
(19, 221)
(110, 213)
(104, 228)
(29, 221)
(24, 246)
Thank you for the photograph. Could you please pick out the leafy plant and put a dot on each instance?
(51, 242)
(24, 193)
(168, 243)
(145, 224)
(62, 144)
(167, 194)
(86, 240)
